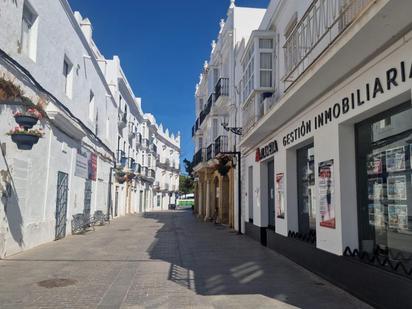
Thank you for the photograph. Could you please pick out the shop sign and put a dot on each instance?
(393, 78)
(86, 164)
(326, 192)
(268, 150)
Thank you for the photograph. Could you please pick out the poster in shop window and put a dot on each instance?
(280, 195)
(398, 217)
(376, 215)
(375, 189)
(375, 164)
(326, 192)
(395, 159)
(397, 187)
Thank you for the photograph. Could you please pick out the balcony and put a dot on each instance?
(210, 152)
(320, 26)
(122, 117)
(199, 157)
(254, 110)
(121, 158)
(221, 145)
(222, 91)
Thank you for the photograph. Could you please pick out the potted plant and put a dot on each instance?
(25, 139)
(28, 118)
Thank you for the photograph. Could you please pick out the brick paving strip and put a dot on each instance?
(162, 260)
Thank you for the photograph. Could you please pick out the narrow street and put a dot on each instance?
(161, 260)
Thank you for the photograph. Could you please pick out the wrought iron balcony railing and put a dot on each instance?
(322, 23)
(222, 88)
(198, 157)
(221, 144)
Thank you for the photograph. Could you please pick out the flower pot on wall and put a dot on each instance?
(24, 141)
(26, 121)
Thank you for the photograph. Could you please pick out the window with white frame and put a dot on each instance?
(248, 73)
(68, 77)
(28, 40)
(266, 63)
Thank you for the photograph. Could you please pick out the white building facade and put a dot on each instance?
(48, 53)
(326, 141)
(217, 108)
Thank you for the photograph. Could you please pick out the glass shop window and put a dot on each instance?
(384, 150)
(306, 190)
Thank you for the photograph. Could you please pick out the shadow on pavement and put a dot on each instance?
(213, 261)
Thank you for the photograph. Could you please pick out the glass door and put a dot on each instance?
(306, 190)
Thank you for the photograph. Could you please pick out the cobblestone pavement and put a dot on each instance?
(161, 260)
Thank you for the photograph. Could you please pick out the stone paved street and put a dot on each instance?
(162, 260)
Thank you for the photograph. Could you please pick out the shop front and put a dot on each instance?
(335, 194)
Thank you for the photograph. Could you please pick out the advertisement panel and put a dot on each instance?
(326, 206)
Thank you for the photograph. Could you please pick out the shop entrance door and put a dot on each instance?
(271, 194)
(306, 190)
(61, 205)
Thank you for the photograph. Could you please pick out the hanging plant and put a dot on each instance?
(28, 119)
(24, 138)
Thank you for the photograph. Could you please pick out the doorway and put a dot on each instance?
(61, 205)
(271, 194)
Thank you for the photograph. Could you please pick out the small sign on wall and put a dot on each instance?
(326, 195)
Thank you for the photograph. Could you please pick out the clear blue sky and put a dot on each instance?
(162, 45)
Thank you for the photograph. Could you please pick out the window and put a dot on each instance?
(215, 129)
(266, 66)
(28, 40)
(306, 190)
(68, 77)
(384, 169)
(265, 43)
(248, 74)
(91, 106)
